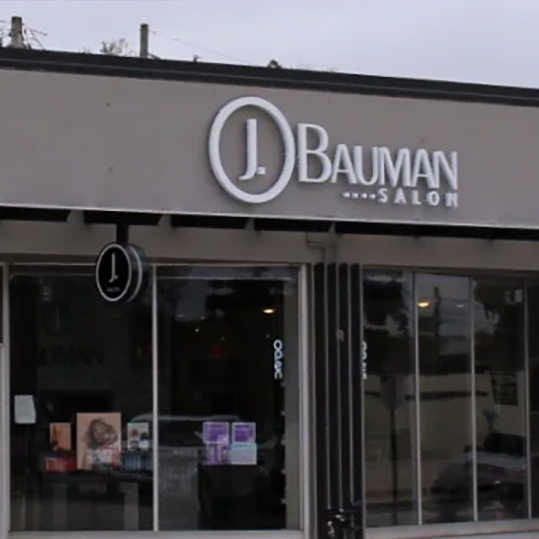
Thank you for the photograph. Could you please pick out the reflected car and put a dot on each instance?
(501, 472)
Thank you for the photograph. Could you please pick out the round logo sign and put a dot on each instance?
(215, 152)
(120, 273)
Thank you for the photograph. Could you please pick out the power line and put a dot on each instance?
(31, 34)
(199, 47)
(37, 32)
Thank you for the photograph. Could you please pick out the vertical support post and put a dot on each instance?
(16, 34)
(333, 390)
(359, 357)
(473, 389)
(306, 391)
(337, 336)
(527, 407)
(322, 406)
(5, 401)
(155, 401)
(417, 390)
(287, 385)
(122, 233)
(144, 41)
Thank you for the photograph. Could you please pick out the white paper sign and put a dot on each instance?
(25, 410)
(243, 454)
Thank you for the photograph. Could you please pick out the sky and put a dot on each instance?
(487, 41)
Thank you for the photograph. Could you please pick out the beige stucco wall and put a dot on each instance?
(23, 240)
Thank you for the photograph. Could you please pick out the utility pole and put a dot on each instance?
(16, 33)
(144, 41)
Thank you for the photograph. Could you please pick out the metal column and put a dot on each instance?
(338, 403)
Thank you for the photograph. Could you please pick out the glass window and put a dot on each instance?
(473, 347)
(444, 324)
(82, 395)
(228, 399)
(500, 399)
(390, 425)
(80, 380)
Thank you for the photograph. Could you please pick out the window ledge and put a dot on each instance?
(457, 530)
(264, 534)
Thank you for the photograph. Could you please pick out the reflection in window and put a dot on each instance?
(471, 360)
(80, 375)
(391, 492)
(227, 419)
(501, 399)
(445, 393)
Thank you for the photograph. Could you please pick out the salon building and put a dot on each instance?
(243, 300)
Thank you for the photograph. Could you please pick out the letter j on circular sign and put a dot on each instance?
(119, 273)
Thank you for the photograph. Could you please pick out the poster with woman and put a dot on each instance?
(99, 440)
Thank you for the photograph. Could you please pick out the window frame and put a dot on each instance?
(5, 406)
(457, 529)
(305, 434)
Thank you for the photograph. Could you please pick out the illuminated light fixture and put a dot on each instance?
(423, 304)
(269, 311)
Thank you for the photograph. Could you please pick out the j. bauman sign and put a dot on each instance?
(121, 273)
(378, 175)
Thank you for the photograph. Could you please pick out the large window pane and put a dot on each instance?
(390, 426)
(443, 309)
(80, 376)
(228, 400)
(501, 398)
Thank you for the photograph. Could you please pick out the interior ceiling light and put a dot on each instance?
(269, 311)
(423, 304)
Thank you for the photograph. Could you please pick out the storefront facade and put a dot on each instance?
(333, 333)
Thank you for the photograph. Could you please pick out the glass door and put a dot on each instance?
(176, 412)
(228, 442)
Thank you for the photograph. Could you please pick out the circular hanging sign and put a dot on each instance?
(120, 273)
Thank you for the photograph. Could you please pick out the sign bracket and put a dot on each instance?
(122, 233)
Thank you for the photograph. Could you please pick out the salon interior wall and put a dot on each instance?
(26, 241)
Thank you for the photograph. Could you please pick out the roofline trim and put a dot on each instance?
(229, 74)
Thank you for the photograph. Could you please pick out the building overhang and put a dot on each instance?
(126, 219)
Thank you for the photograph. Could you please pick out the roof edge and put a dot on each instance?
(258, 76)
